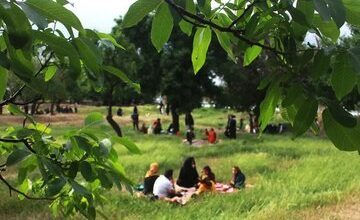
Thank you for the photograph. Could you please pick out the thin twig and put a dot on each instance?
(25, 141)
(11, 188)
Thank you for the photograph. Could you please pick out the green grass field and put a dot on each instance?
(293, 179)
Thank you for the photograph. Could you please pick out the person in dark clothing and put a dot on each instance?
(157, 126)
(119, 112)
(150, 178)
(238, 178)
(135, 118)
(232, 127)
(227, 128)
(189, 120)
(241, 126)
(161, 107)
(188, 176)
(190, 136)
(170, 129)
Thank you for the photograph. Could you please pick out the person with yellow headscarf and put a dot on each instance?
(150, 177)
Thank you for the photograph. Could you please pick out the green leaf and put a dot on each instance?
(185, 26)
(346, 139)
(251, 54)
(162, 25)
(16, 156)
(86, 171)
(20, 64)
(225, 42)
(50, 72)
(123, 77)
(307, 8)
(355, 58)
(109, 38)
(79, 189)
(341, 116)
(3, 81)
(73, 169)
(17, 25)
(343, 77)
(138, 11)
(104, 178)
(268, 105)
(131, 146)
(322, 9)
(34, 16)
(305, 116)
(327, 28)
(89, 54)
(320, 65)
(82, 143)
(337, 11)
(62, 48)
(55, 11)
(55, 186)
(201, 44)
(94, 118)
(352, 11)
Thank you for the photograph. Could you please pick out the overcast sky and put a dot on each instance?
(99, 15)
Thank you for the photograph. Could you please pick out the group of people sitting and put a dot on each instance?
(155, 128)
(188, 183)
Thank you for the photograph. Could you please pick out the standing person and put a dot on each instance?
(211, 136)
(189, 120)
(227, 128)
(188, 176)
(232, 127)
(161, 106)
(238, 178)
(190, 136)
(135, 118)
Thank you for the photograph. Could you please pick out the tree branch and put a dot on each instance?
(11, 188)
(25, 141)
(242, 15)
(235, 32)
(12, 98)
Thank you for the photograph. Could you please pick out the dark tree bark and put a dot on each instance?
(109, 116)
(33, 108)
(52, 108)
(1, 110)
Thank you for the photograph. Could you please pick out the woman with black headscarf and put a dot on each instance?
(188, 176)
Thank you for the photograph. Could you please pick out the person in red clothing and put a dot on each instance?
(211, 136)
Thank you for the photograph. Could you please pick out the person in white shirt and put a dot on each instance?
(163, 186)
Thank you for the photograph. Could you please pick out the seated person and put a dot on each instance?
(206, 181)
(157, 126)
(150, 178)
(164, 187)
(238, 178)
(143, 128)
(188, 176)
(211, 136)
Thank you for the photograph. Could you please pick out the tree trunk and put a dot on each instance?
(26, 109)
(109, 116)
(251, 123)
(33, 108)
(52, 108)
(1, 110)
(175, 119)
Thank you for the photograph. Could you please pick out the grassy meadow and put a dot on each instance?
(306, 178)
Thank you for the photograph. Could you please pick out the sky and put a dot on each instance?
(99, 14)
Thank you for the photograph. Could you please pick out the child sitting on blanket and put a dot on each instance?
(206, 181)
(238, 178)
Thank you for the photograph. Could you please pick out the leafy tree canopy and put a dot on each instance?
(278, 27)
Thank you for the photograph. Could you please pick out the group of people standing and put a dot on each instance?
(166, 188)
